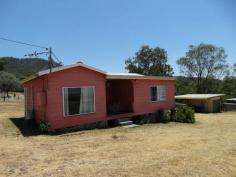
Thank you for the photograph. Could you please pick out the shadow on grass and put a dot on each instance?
(30, 128)
(27, 128)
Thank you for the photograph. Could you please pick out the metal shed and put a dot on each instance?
(202, 102)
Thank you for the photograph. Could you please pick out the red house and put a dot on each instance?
(80, 94)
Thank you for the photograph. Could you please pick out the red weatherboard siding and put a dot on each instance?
(142, 102)
(74, 77)
(35, 87)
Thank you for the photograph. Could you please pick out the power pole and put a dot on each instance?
(50, 64)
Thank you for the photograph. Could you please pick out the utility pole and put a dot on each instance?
(50, 60)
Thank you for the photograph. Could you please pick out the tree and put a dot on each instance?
(203, 62)
(149, 61)
(8, 82)
(184, 85)
(2, 63)
(229, 86)
(234, 68)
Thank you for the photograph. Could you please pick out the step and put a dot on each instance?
(130, 126)
(124, 123)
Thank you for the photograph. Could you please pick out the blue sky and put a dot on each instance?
(104, 33)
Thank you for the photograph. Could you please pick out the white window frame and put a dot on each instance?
(150, 93)
(94, 106)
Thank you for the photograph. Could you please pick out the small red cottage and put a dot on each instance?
(79, 94)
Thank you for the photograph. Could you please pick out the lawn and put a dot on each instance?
(206, 148)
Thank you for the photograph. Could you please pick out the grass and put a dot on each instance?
(206, 148)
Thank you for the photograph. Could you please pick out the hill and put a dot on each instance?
(24, 67)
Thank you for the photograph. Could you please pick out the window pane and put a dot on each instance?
(87, 100)
(153, 93)
(161, 93)
(78, 100)
(74, 95)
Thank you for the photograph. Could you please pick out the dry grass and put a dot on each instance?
(207, 148)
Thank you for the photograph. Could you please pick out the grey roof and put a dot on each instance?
(231, 99)
(198, 96)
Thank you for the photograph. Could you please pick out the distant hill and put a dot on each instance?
(24, 67)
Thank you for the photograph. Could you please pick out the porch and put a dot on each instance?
(119, 98)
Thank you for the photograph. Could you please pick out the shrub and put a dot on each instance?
(44, 126)
(184, 114)
(163, 116)
(172, 115)
(144, 119)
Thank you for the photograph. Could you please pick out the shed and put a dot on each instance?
(230, 104)
(202, 102)
(79, 94)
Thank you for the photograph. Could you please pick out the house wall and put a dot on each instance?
(35, 100)
(74, 77)
(142, 101)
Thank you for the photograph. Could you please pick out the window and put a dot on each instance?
(158, 93)
(78, 100)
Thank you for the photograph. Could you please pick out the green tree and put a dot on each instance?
(184, 85)
(149, 61)
(229, 86)
(234, 69)
(8, 82)
(2, 63)
(204, 62)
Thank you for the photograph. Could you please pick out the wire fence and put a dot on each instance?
(11, 97)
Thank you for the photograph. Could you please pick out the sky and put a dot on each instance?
(104, 33)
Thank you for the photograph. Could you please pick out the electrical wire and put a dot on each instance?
(59, 61)
(32, 45)
(23, 43)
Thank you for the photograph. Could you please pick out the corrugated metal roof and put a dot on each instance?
(135, 76)
(198, 96)
(231, 99)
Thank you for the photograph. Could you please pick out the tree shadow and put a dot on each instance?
(27, 128)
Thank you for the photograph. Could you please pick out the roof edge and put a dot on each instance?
(29, 78)
(56, 69)
(141, 77)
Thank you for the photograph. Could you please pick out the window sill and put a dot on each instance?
(159, 101)
(81, 114)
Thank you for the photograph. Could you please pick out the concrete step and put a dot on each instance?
(130, 126)
(124, 123)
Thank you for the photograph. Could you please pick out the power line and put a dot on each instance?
(59, 61)
(49, 51)
(24, 43)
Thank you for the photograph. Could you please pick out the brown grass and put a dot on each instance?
(207, 148)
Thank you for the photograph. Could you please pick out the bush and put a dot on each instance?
(163, 116)
(44, 126)
(184, 114)
(172, 115)
(144, 119)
